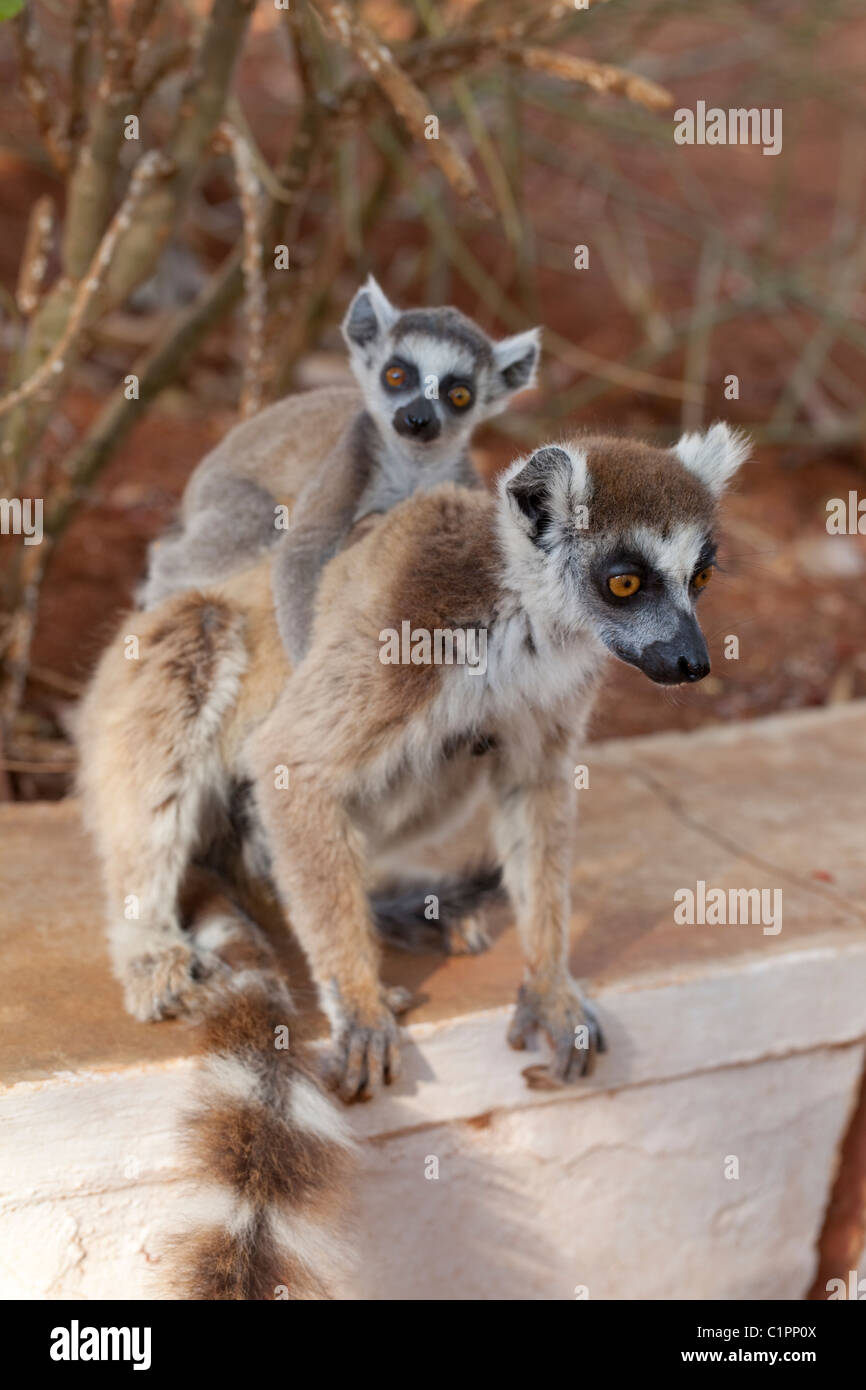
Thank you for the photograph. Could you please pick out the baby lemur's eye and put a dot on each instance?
(624, 585)
(460, 396)
(703, 577)
(395, 376)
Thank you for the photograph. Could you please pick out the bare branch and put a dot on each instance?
(139, 19)
(410, 103)
(91, 188)
(34, 258)
(425, 58)
(201, 109)
(249, 194)
(155, 370)
(81, 34)
(568, 67)
(161, 364)
(36, 89)
(17, 635)
(142, 242)
(150, 168)
(471, 270)
(165, 59)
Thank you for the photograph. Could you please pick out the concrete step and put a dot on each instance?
(731, 1047)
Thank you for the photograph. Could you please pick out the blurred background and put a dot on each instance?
(155, 153)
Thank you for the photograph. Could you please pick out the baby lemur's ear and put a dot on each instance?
(715, 456)
(545, 488)
(516, 361)
(369, 315)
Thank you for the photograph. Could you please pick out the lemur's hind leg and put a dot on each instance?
(152, 781)
(235, 526)
(446, 914)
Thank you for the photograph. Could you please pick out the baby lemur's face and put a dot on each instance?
(430, 376)
(618, 537)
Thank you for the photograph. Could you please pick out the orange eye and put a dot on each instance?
(624, 585)
(703, 577)
(460, 396)
(395, 376)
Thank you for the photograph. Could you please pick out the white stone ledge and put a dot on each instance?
(721, 1042)
(730, 1014)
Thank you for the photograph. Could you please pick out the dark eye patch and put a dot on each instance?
(410, 375)
(625, 562)
(448, 383)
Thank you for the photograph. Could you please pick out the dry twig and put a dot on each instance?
(409, 102)
(37, 84)
(150, 167)
(34, 259)
(568, 67)
(249, 194)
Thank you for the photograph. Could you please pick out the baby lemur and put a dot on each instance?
(591, 547)
(427, 378)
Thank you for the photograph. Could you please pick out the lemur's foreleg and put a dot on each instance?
(533, 829)
(317, 867)
(321, 519)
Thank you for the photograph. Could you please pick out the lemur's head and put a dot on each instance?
(618, 537)
(430, 376)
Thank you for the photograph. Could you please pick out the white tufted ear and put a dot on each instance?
(516, 360)
(369, 315)
(545, 487)
(715, 456)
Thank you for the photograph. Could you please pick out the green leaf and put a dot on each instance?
(9, 8)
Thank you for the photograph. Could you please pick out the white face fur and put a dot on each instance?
(617, 540)
(430, 376)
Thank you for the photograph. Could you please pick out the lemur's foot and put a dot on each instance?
(570, 1025)
(168, 982)
(366, 1050)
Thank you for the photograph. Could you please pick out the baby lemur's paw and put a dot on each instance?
(168, 982)
(570, 1026)
(365, 1052)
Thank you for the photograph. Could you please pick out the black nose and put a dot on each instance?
(693, 670)
(417, 420)
(682, 657)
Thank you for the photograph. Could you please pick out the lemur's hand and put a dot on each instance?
(366, 1048)
(568, 1022)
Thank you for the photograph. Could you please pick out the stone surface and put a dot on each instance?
(723, 1041)
(624, 1194)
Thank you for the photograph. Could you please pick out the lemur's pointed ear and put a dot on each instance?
(516, 360)
(369, 315)
(545, 486)
(715, 456)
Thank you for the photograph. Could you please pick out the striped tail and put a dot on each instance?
(273, 1154)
